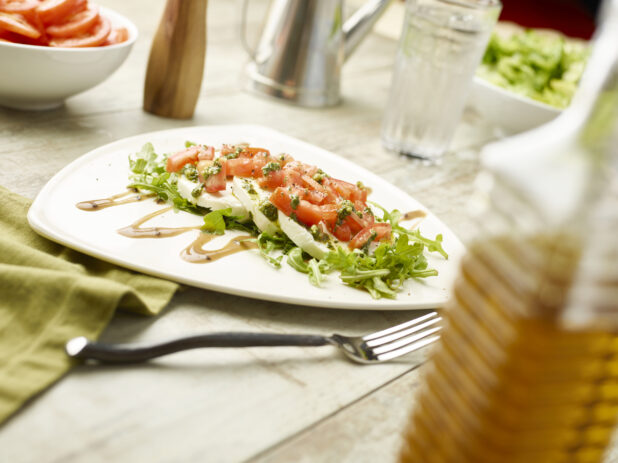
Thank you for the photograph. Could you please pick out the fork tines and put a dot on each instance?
(405, 338)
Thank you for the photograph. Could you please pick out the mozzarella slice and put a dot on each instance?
(252, 196)
(214, 201)
(302, 237)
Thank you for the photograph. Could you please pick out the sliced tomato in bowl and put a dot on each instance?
(76, 24)
(13, 22)
(24, 7)
(97, 36)
(54, 11)
(117, 35)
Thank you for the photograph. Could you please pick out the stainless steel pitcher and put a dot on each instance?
(303, 46)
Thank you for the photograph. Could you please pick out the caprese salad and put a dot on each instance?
(319, 223)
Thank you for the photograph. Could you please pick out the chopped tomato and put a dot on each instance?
(292, 177)
(259, 161)
(97, 36)
(205, 152)
(347, 190)
(302, 168)
(217, 182)
(284, 158)
(354, 222)
(272, 180)
(381, 230)
(250, 152)
(16, 23)
(77, 24)
(117, 35)
(312, 214)
(313, 196)
(282, 201)
(306, 212)
(178, 160)
(24, 7)
(54, 11)
(311, 183)
(342, 232)
(241, 167)
(227, 149)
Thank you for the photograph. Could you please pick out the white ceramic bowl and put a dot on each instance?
(37, 78)
(512, 112)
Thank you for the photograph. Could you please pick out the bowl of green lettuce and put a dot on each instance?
(527, 77)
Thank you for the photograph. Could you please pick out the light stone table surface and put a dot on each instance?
(266, 405)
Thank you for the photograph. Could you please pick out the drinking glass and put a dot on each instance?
(441, 45)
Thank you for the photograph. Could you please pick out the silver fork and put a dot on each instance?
(373, 348)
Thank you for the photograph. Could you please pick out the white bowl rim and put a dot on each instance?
(517, 96)
(111, 14)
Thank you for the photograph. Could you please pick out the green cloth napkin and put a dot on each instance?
(50, 294)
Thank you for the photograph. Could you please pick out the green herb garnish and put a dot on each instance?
(269, 210)
(294, 201)
(270, 167)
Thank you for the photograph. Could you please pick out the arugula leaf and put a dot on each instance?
(313, 267)
(296, 261)
(393, 217)
(268, 243)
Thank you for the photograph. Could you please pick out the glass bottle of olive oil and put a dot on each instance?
(527, 366)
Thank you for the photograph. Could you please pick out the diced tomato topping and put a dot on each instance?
(272, 180)
(284, 158)
(347, 190)
(259, 161)
(313, 196)
(311, 214)
(382, 231)
(218, 181)
(250, 152)
(206, 152)
(354, 222)
(178, 160)
(292, 177)
(240, 167)
(307, 213)
(342, 232)
(282, 201)
(311, 183)
(302, 168)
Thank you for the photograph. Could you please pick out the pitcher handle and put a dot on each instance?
(243, 30)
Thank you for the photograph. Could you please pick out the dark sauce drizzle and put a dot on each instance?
(194, 253)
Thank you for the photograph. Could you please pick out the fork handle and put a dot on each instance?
(82, 348)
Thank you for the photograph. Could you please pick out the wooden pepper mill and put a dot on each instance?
(176, 62)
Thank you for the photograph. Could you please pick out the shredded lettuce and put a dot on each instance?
(543, 67)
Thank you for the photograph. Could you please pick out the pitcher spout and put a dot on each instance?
(360, 23)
